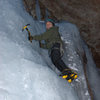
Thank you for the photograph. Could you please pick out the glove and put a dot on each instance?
(30, 38)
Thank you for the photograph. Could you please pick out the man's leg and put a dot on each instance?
(57, 61)
(66, 72)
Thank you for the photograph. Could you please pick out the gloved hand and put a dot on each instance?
(30, 38)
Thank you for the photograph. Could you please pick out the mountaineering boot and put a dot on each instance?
(69, 74)
(74, 75)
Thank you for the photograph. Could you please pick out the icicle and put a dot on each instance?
(38, 11)
(92, 73)
(46, 14)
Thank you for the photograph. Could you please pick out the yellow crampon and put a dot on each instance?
(74, 76)
(69, 80)
(65, 76)
(69, 75)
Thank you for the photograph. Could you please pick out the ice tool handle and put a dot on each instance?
(25, 27)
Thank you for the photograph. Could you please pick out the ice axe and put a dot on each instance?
(25, 27)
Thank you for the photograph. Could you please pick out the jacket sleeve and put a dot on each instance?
(40, 37)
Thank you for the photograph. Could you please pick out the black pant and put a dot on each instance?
(56, 58)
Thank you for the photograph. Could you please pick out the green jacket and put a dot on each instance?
(50, 37)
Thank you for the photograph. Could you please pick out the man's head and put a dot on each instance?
(49, 23)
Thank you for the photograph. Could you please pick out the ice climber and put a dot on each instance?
(53, 42)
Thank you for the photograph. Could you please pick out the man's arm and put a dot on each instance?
(40, 37)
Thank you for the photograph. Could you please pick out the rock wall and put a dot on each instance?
(84, 13)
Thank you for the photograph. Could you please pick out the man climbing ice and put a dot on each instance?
(53, 42)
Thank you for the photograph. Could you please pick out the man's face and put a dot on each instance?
(49, 25)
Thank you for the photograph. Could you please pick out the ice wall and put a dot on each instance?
(24, 74)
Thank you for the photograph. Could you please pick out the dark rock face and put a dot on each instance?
(84, 13)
